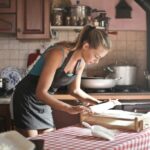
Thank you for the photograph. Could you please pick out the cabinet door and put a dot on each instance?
(5, 115)
(7, 23)
(33, 19)
(63, 119)
(7, 6)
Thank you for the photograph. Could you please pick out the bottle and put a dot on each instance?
(74, 21)
(96, 22)
(68, 21)
(89, 20)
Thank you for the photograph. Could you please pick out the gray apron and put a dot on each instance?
(30, 113)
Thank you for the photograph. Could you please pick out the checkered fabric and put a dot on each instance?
(80, 138)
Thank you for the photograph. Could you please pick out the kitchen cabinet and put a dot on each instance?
(7, 6)
(33, 19)
(5, 117)
(7, 16)
(7, 23)
(63, 119)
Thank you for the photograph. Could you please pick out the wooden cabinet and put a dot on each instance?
(7, 23)
(63, 119)
(7, 6)
(5, 117)
(33, 19)
(7, 16)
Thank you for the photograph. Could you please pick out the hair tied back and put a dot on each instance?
(91, 27)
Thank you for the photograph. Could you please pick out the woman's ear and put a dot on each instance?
(86, 45)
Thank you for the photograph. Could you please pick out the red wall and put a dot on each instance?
(137, 22)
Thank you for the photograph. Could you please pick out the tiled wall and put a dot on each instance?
(129, 47)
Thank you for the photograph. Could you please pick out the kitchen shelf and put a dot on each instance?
(70, 28)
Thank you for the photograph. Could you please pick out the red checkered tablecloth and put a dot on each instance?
(80, 138)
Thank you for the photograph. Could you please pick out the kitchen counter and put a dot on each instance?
(100, 96)
(104, 96)
(5, 100)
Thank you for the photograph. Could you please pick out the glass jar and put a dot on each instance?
(68, 21)
(57, 16)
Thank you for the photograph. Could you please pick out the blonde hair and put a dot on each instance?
(90, 34)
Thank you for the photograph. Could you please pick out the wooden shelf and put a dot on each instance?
(70, 27)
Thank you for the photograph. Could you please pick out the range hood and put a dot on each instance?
(145, 4)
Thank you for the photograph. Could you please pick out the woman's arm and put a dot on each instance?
(53, 60)
(76, 91)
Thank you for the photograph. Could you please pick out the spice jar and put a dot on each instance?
(74, 21)
(57, 16)
(68, 21)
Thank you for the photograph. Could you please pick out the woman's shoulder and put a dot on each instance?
(56, 54)
(58, 51)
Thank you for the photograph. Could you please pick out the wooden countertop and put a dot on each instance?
(5, 100)
(100, 96)
(103, 96)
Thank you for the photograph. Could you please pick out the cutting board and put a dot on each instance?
(118, 119)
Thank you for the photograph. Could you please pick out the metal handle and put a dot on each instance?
(110, 69)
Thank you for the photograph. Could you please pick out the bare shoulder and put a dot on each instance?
(58, 52)
(55, 56)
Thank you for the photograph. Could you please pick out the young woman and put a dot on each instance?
(58, 66)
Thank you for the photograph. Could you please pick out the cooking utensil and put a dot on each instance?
(147, 76)
(99, 131)
(127, 73)
(80, 11)
(97, 82)
(119, 119)
(99, 108)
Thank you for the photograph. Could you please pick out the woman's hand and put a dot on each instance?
(79, 109)
(87, 102)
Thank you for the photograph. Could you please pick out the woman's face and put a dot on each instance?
(91, 55)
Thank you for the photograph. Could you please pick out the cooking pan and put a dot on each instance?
(126, 72)
(98, 82)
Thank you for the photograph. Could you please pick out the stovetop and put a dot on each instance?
(118, 89)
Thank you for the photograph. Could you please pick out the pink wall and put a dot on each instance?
(137, 22)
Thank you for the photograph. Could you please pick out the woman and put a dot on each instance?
(59, 65)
